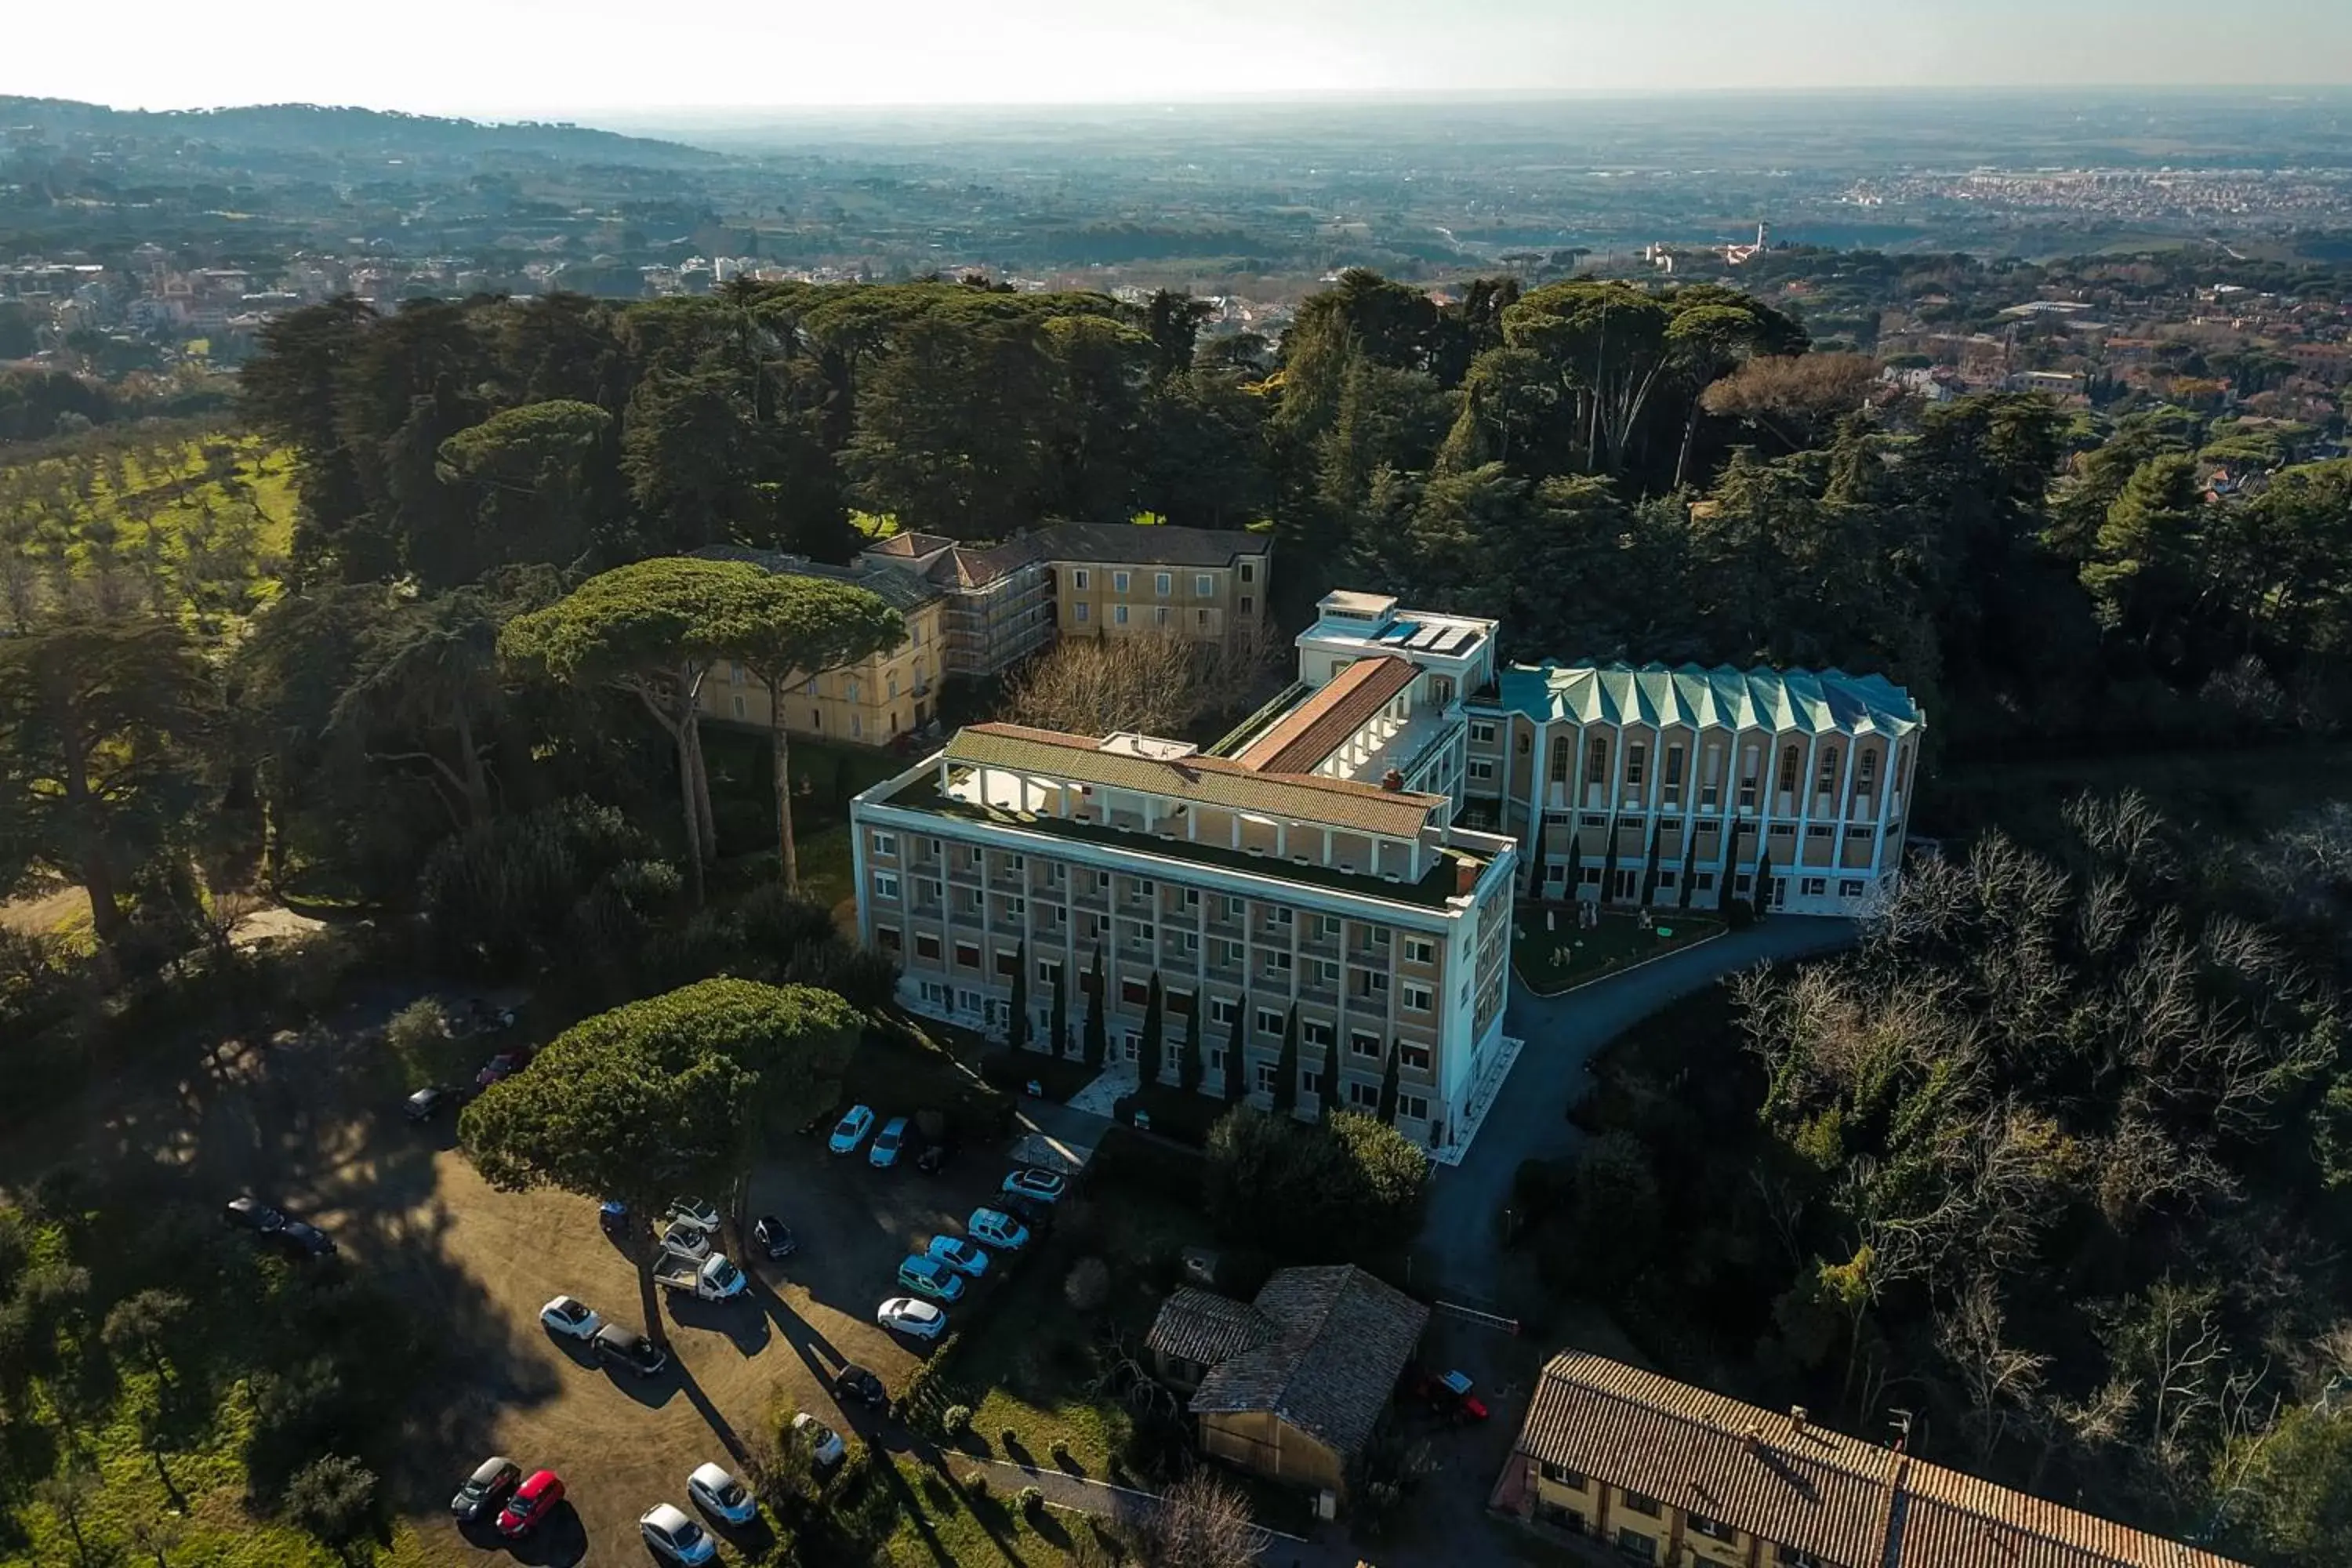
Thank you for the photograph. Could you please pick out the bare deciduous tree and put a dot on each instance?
(1199, 1522)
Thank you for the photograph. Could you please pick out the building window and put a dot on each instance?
(1118, 615)
(1118, 581)
(736, 703)
(1714, 1529)
(1204, 586)
(1559, 759)
(856, 728)
(1079, 578)
(1826, 777)
(1248, 572)
(1865, 770)
(1134, 993)
(1326, 926)
(886, 884)
(1246, 598)
(967, 955)
(1798, 1557)
(886, 938)
(1234, 952)
(1674, 779)
(1413, 1056)
(1561, 1476)
(1049, 970)
(1482, 772)
(1418, 949)
(1314, 1033)
(1362, 1043)
(1414, 1105)
(1008, 961)
(1635, 756)
(1081, 611)
(1265, 1078)
(1158, 614)
(1221, 1009)
(1788, 770)
(926, 945)
(1814, 886)
(1201, 619)
(1703, 881)
(1417, 998)
(1641, 1503)
(884, 843)
(1310, 1081)
(1849, 887)
(1596, 761)
(1277, 963)
(1269, 1021)
(1163, 583)
(1636, 1545)
(1281, 915)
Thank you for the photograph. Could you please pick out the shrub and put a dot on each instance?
(1088, 1286)
(1009, 1437)
(976, 1484)
(1029, 1500)
(1738, 914)
(1061, 1452)
(1333, 1192)
(416, 1029)
(333, 1497)
(956, 1420)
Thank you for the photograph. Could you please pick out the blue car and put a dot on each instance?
(959, 1255)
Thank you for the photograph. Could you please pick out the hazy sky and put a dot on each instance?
(522, 57)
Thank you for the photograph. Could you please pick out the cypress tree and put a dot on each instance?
(1575, 862)
(1763, 900)
(1285, 1066)
(1650, 873)
(1097, 1027)
(1331, 1096)
(1016, 1033)
(1389, 1086)
(1060, 1042)
(1235, 1044)
(1188, 1060)
(1154, 1029)
(1536, 865)
(1690, 869)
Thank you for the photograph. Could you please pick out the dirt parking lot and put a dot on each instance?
(313, 1122)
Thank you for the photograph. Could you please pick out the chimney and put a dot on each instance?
(1393, 781)
(1796, 1420)
(1465, 878)
(1753, 1439)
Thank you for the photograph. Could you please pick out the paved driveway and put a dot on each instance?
(1529, 1119)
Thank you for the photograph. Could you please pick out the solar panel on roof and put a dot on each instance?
(1426, 637)
(1451, 639)
(1398, 631)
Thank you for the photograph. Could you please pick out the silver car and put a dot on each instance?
(721, 1496)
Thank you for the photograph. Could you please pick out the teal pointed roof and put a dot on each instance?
(1826, 701)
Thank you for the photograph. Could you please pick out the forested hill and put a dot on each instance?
(281, 127)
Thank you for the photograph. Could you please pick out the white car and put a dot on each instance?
(1045, 1187)
(694, 1211)
(826, 1447)
(851, 1129)
(722, 1494)
(571, 1318)
(959, 1255)
(675, 1538)
(681, 1238)
(888, 1142)
(909, 1316)
(997, 1228)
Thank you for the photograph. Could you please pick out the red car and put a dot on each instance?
(501, 1068)
(1448, 1395)
(531, 1503)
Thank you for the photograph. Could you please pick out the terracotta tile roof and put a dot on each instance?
(1820, 1491)
(1085, 544)
(909, 545)
(1209, 781)
(1945, 1518)
(1342, 1340)
(1202, 1326)
(1316, 727)
(1853, 1503)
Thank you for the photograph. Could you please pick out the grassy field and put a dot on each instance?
(1551, 960)
(197, 524)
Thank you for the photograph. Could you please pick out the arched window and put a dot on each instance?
(1788, 770)
(1825, 779)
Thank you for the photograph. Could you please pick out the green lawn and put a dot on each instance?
(1552, 957)
(939, 1522)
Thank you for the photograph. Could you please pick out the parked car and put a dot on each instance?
(693, 1211)
(253, 1215)
(935, 1156)
(1034, 1212)
(931, 1277)
(630, 1348)
(826, 1447)
(851, 1129)
(1448, 1395)
(674, 1537)
(773, 1237)
(997, 1228)
(959, 1255)
(680, 1240)
(571, 1318)
(499, 1068)
(1045, 1187)
(531, 1503)
(721, 1496)
(613, 1216)
(909, 1316)
(888, 1142)
(854, 1382)
(431, 1101)
(485, 1490)
(308, 1240)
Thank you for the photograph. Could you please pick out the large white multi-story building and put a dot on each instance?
(1298, 869)
(1626, 780)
